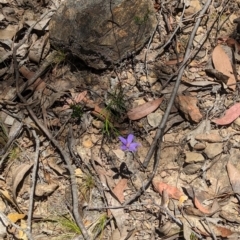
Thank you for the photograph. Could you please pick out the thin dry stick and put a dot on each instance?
(195, 51)
(160, 132)
(162, 125)
(56, 144)
(173, 34)
(66, 158)
(210, 229)
(34, 178)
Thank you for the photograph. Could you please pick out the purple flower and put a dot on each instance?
(128, 144)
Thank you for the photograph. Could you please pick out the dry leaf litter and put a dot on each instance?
(84, 153)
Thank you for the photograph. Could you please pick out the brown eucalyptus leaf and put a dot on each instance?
(188, 105)
(144, 109)
(18, 177)
(118, 214)
(9, 32)
(119, 189)
(218, 75)
(172, 191)
(231, 114)
(221, 231)
(200, 207)
(39, 49)
(52, 164)
(234, 177)
(44, 190)
(223, 64)
(5, 194)
(201, 83)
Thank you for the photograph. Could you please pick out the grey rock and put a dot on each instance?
(213, 149)
(192, 157)
(102, 32)
(192, 168)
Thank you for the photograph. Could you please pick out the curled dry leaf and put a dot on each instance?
(231, 114)
(144, 109)
(223, 64)
(201, 207)
(18, 177)
(172, 191)
(218, 75)
(199, 197)
(188, 105)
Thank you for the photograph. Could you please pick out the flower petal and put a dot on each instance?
(130, 138)
(123, 140)
(124, 148)
(133, 147)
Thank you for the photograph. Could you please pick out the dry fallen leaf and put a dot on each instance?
(231, 114)
(58, 168)
(234, 177)
(44, 190)
(119, 189)
(14, 217)
(199, 197)
(222, 231)
(200, 207)
(172, 191)
(144, 109)
(188, 105)
(223, 64)
(118, 214)
(201, 83)
(18, 177)
(9, 32)
(4, 193)
(76, 98)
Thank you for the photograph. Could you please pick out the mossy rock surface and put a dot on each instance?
(102, 32)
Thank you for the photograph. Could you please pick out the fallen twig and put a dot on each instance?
(162, 125)
(64, 154)
(34, 177)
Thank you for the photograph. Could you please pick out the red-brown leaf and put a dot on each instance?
(223, 64)
(231, 114)
(119, 189)
(201, 207)
(188, 105)
(172, 191)
(144, 109)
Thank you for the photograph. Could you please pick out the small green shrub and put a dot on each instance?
(77, 111)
